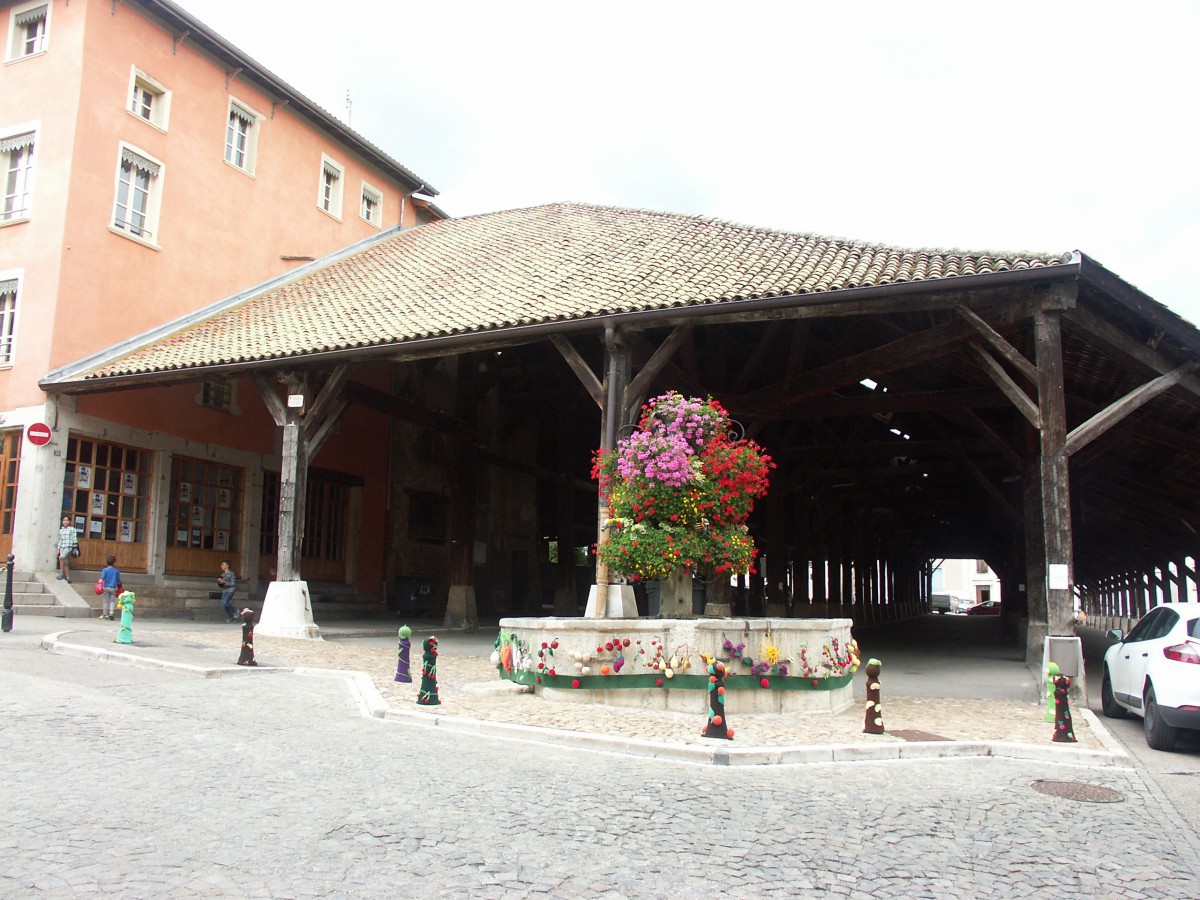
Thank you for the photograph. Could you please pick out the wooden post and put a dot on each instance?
(291, 509)
(1056, 501)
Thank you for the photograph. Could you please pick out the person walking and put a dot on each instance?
(110, 578)
(68, 546)
(227, 582)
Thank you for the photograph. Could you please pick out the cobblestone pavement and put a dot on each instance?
(133, 782)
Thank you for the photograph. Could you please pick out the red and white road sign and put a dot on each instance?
(38, 434)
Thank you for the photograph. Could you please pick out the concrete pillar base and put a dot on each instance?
(619, 602)
(287, 612)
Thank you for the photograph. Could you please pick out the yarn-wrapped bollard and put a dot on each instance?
(428, 693)
(717, 726)
(1063, 732)
(246, 657)
(125, 604)
(1051, 674)
(402, 673)
(874, 712)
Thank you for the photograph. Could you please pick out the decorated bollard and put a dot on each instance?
(402, 674)
(874, 718)
(8, 600)
(428, 694)
(1063, 732)
(1051, 674)
(246, 657)
(717, 727)
(125, 603)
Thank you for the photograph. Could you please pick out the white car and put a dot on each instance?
(1154, 671)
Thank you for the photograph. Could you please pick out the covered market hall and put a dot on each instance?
(413, 419)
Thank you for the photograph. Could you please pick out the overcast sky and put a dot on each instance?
(985, 126)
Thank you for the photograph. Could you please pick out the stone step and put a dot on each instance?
(34, 600)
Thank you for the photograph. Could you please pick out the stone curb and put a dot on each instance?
(372, 705)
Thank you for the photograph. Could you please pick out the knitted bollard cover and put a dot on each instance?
(1063, 732)
(246, 657)
(402, 663)
(874, 712)
(428, 694)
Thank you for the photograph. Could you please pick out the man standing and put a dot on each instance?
(227, 582)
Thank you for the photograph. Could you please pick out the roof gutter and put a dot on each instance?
(443, 344)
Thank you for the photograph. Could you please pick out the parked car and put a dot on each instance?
(1154, 671)
(986, 608)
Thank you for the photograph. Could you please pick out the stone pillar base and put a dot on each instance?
(460, 608)
(287, 612)
(619, 602)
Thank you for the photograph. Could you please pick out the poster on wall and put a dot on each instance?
(181, 537)
(222, 540)
(129, 484)
(95, 526)
(79, 521)
(197, 515)
(196, 537)
(126, 531)
(83, 477)
(223, 498)
(97, 503)
(185, 492)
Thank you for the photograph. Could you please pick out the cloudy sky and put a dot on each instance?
(1009, 126)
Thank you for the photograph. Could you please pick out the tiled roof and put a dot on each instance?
(528, 267)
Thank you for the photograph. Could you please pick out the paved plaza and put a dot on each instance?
(127, 780)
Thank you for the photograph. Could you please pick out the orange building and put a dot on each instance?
(151, 168)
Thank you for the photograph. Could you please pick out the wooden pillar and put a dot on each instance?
(1056, 502)
(292, 480)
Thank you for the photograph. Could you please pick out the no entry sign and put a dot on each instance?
(38, 434)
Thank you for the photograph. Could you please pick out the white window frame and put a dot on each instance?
(142, 85)
(10, 294)
(18, 166)
(244, 158)
(375, 196)
(134, 218)
(330, 182)
(25, 42)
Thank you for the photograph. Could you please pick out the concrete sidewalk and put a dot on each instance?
(935, 706)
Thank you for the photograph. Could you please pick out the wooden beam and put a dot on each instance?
(1003, 347)
(579, 366)
(902, 353)
(317, 436)
(1008, 387)
(271, 399)
(653, 366)
(1088, 431)
(1126, 345)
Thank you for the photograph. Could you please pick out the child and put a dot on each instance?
(111, 578)
(68, 543)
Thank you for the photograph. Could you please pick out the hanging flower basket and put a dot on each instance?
(680, 489)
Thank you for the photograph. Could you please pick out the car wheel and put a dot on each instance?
(1159, 735)
(1108, 702)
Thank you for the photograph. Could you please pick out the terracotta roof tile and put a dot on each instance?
(531, 266)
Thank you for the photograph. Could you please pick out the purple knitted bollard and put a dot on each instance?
(402, 662)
